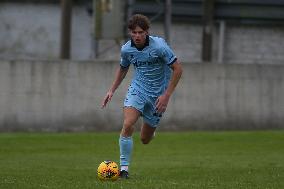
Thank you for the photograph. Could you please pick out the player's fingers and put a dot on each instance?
(109, 96)
(103, 105)
(159, 108)
(157, 103)
(105, 101)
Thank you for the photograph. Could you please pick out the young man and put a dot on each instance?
(156, 74)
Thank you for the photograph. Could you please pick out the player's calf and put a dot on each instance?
(147, 139)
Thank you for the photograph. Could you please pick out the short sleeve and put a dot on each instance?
(124, 62)
(168, 54)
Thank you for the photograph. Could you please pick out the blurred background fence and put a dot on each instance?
(223, 31)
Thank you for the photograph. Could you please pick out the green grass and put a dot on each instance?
(173, 160)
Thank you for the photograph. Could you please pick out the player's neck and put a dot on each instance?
(140, 47)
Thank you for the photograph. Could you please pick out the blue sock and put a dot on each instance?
(125, 144)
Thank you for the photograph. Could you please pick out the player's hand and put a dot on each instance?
(107, 99)
(162, 103)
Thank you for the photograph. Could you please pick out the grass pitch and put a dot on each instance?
(172, 160)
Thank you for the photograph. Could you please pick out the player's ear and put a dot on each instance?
(147, 32)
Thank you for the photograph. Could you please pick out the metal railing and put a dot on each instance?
(242, 11)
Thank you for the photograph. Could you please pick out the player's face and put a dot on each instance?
(138, 35)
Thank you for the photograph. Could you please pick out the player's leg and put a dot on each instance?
(131, 115)
(133, 107)
(147, 133)
(151, 120)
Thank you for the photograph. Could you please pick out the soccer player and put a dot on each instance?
(156, 74)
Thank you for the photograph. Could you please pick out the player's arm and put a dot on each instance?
(119, 76)
(162, 101)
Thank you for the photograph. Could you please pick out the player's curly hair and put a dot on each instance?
(139, 20)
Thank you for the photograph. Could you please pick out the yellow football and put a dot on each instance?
(108, 170)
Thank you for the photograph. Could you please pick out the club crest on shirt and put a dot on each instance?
(153, 54)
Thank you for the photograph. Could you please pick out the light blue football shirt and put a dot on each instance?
(151, 64)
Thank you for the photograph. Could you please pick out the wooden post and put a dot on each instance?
(168, 20)
(66, 20)
(208, 25)
(129, 13)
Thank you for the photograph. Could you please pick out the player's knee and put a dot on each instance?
(127, 129)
